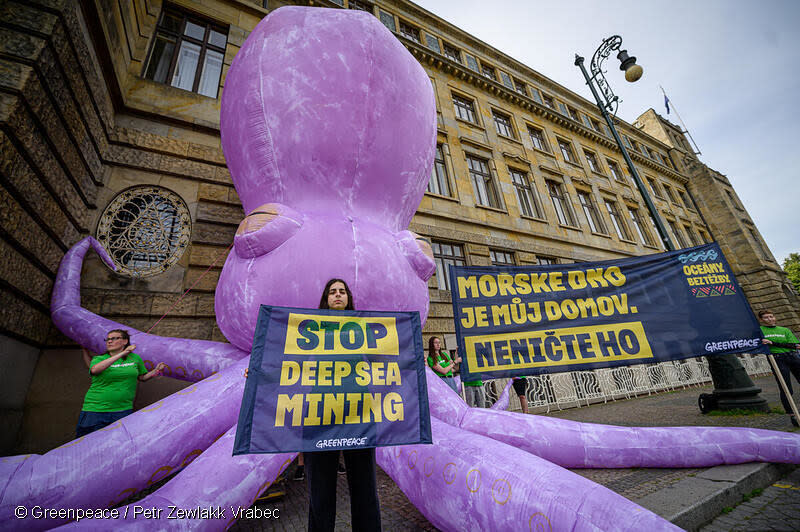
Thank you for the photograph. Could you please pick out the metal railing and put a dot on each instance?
(581, 388)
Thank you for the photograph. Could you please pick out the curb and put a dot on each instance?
(695, 501)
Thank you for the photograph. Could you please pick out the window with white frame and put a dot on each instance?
(488, 72)
(544, 260)
(528, 199)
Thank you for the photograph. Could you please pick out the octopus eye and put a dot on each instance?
(266, 228)
(418, 252)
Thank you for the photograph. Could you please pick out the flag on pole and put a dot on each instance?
(666, 103)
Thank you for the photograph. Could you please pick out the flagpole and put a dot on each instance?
(685, 129)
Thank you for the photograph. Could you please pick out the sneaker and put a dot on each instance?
(300, 473)
(341, 469)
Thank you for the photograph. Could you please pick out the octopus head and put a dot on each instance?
(328, 127)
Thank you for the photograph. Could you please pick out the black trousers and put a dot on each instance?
(365, 508)
(788, 364)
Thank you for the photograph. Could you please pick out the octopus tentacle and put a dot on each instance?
(466, 481)
(502, 401)
(214, 480)
(190, 360)
(574, 444)
(107, 466)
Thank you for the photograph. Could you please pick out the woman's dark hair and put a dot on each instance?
(432, 351)
(122, 333)
(323, 301)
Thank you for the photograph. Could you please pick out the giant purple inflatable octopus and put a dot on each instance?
(328, 127)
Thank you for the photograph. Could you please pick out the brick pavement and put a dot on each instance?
(672, 409)
(776, 508)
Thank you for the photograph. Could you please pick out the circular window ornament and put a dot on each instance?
(145, 229)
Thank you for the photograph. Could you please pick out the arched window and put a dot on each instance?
(145, 229)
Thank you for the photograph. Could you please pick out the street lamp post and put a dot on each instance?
(632, 73)
(733, 387)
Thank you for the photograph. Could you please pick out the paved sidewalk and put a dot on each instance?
(690, 498)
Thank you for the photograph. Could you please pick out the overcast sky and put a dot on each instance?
(730, 67)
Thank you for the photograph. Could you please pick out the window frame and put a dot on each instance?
(518, 84)
(497, 118)
(472, 109)
(448, 48)
(522, 185)
(542, 137)
(639, 226)
(486, 69)
(561, 203)
(567, 151)
(676, 232)
(591, 212)
(361, 5)
(483, 182)
(595, 166)
(493, 253)
(617, 221)
(442, 260)
(178, 37)
(409, 31)
(619, 175)
(445, 178)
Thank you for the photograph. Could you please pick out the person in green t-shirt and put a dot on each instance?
(115, 375)
(440, 362)
(783, 346)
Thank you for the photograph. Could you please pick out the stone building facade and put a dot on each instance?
(105, 124)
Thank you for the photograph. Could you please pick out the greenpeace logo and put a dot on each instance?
(341, 442)
(727, 345)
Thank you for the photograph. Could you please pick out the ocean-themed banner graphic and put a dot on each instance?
(527, 320)
(330, 379)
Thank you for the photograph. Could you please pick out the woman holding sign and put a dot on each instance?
(440, 362)
(360, 463)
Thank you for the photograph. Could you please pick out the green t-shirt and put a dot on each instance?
(444, 358)
(472, 383)
(113, 390)
(780, 335)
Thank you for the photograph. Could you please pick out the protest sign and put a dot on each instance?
(527, 320)
(329, 379)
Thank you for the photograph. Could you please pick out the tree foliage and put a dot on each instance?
(791, 265)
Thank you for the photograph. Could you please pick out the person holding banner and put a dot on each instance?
(321, 466)
(440, 362)
(783, 345)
